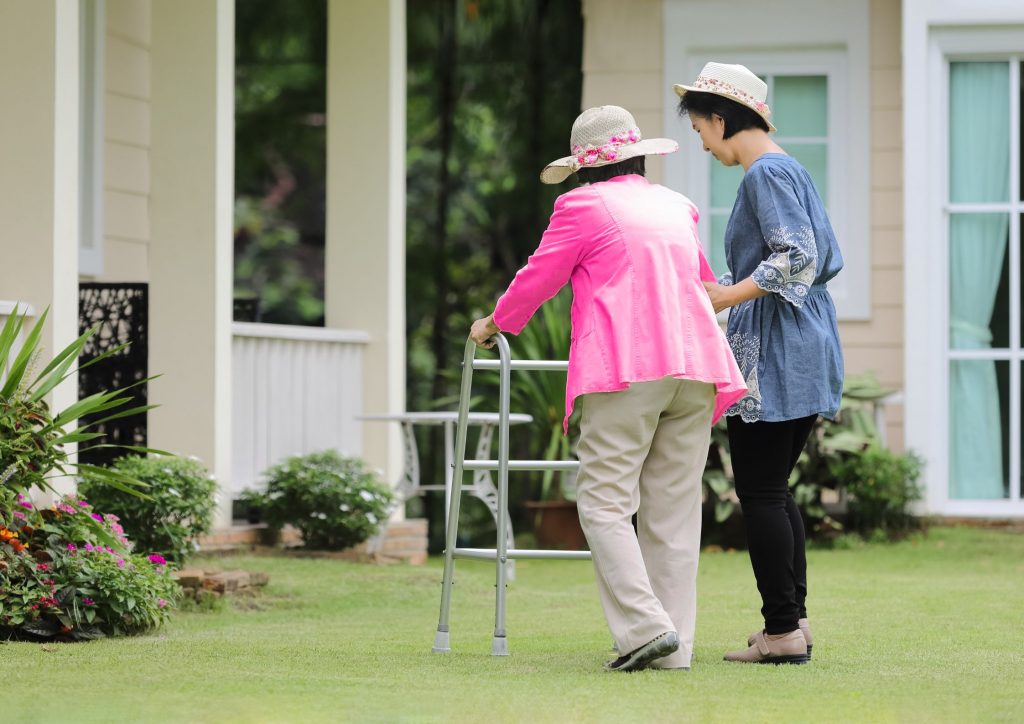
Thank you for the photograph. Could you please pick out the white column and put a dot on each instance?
(365, 246)
(192, 157)
(39, 182)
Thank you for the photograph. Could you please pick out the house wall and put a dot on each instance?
(39, 49)
(126, 152)
(877, 344)
(623, 63)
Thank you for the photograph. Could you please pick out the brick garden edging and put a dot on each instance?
(196, 581)
(401, 541)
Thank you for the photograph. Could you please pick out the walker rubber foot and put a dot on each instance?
(441, 643)
(499, 646)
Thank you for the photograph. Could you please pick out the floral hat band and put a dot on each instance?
(591, 155)
(720, 87)
(602, 136)
(734, 82)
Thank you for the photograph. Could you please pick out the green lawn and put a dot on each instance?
(926, 630)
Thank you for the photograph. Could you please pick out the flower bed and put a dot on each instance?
(69, 573)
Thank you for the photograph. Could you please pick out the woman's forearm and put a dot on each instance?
(744, 291)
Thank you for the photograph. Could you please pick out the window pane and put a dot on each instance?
(977, 255)
(814, 157)
(800, 105)
(716, 257)
(979, 132)
(979, 424)
(724, 182)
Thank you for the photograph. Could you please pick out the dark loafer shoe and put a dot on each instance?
(656, 648)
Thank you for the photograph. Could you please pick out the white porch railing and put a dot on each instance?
(296, 390)
(6, 310)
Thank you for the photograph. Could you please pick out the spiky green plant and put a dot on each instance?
(34, 440)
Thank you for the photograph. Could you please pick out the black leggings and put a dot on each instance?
(763, 455)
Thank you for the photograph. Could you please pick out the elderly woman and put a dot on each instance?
(781, 252)
(649, 368)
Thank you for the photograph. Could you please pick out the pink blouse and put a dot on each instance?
(639, 310)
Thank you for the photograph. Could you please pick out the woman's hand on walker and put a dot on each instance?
(482, 331)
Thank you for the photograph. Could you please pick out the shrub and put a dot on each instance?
(67, 573)
(178, 509)
(335, 502)
(882, 485)
(830, 445)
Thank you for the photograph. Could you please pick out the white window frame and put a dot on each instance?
(927, 272)
(91, 141)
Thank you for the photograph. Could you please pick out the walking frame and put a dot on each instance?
(502, 554)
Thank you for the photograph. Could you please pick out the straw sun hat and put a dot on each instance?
(734, 82)
(600, 136)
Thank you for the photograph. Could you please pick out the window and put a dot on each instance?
(984, 341)
(91, 136)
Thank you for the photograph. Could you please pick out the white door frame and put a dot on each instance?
(928, 50)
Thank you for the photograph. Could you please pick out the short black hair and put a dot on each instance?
(591, 175)
(737, 116)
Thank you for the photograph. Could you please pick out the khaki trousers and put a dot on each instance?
(642, 450)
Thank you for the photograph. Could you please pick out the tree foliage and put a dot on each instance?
(281, 157)
(493, 89)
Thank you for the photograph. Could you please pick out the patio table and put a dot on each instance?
(482, 487)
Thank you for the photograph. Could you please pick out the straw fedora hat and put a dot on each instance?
(600, 136)
(734, 82)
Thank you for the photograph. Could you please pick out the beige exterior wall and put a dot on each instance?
(365, 244)
(623, 64)
(126, 153)
(191, 224)
(877, 345)
(39, 192)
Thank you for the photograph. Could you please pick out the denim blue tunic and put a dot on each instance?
(786, 343)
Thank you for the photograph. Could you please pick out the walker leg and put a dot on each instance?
(441, 637)
(499, 646)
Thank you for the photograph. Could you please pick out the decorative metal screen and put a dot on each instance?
(122, 313)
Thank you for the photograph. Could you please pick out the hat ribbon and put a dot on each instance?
(590, 155)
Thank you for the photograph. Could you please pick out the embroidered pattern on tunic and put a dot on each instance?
(746, 348)
(791, 269)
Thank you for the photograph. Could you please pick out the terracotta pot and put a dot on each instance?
(557, 525)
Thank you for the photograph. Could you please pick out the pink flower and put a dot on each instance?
(42, 567)
(158, 559)
(120, 562)
(72, 547)
(83, 504)
(88, 602)
(161, 603)
(25, 504)
(19, 516)
(97, 516)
